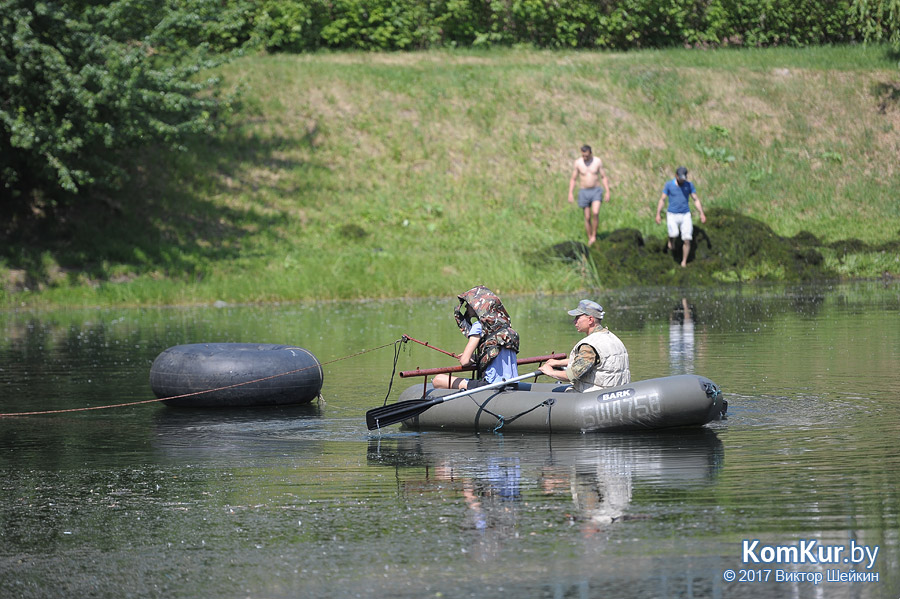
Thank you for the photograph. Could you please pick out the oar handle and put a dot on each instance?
(493, 385)
(404, 410)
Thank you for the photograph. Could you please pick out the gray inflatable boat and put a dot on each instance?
(667, 402)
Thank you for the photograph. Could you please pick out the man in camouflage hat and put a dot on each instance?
(492, 342)
(598, 361)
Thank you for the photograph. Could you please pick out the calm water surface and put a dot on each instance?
(149, 501)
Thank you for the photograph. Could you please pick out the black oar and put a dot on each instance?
(404, 410)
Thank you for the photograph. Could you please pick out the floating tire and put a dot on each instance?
(213, 375)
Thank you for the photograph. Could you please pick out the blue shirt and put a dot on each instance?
(679, 195)
(504, 366)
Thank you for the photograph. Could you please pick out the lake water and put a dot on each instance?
(149, 501)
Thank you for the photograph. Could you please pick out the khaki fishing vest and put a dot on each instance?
(612, 368)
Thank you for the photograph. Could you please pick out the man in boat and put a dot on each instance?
(589, 172)
(598, 361)
(492, 342)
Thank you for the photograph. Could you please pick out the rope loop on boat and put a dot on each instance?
(714, 393)
(547, 402)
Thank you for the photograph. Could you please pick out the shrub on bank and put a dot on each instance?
(288, 26)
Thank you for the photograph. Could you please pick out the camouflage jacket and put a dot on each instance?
(489, 310)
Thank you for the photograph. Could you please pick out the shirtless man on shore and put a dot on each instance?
(589, 171)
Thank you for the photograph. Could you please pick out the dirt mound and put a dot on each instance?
(730, 247)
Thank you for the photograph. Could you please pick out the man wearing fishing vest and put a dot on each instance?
(598, 361)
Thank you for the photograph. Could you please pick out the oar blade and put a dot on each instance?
(397, 412)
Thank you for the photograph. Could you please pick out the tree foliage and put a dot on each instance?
(290, 26)
(880, 20)
(82, 84)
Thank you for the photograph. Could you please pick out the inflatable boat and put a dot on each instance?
(213, 375)
(660, 403)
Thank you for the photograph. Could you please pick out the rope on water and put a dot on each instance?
(265, 378)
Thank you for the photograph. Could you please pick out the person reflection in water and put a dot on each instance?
(492, 499)
(681, 339)
(601, 496)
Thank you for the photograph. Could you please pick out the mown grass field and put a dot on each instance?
(385, 175)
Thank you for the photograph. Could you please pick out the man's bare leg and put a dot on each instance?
(592, 221)
(595, 221)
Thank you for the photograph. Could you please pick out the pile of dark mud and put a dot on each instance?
(730, 247)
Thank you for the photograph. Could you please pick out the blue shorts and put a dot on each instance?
(588, 196)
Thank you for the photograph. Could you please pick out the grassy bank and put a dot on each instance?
(382, 175)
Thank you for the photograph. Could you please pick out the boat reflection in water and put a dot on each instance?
(589, 479)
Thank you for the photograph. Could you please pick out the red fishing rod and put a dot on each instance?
(426, 344)
(449, 369)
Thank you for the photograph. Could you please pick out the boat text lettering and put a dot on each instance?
(616, 395)
(635, 409)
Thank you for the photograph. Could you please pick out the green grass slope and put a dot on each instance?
(384, 175)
